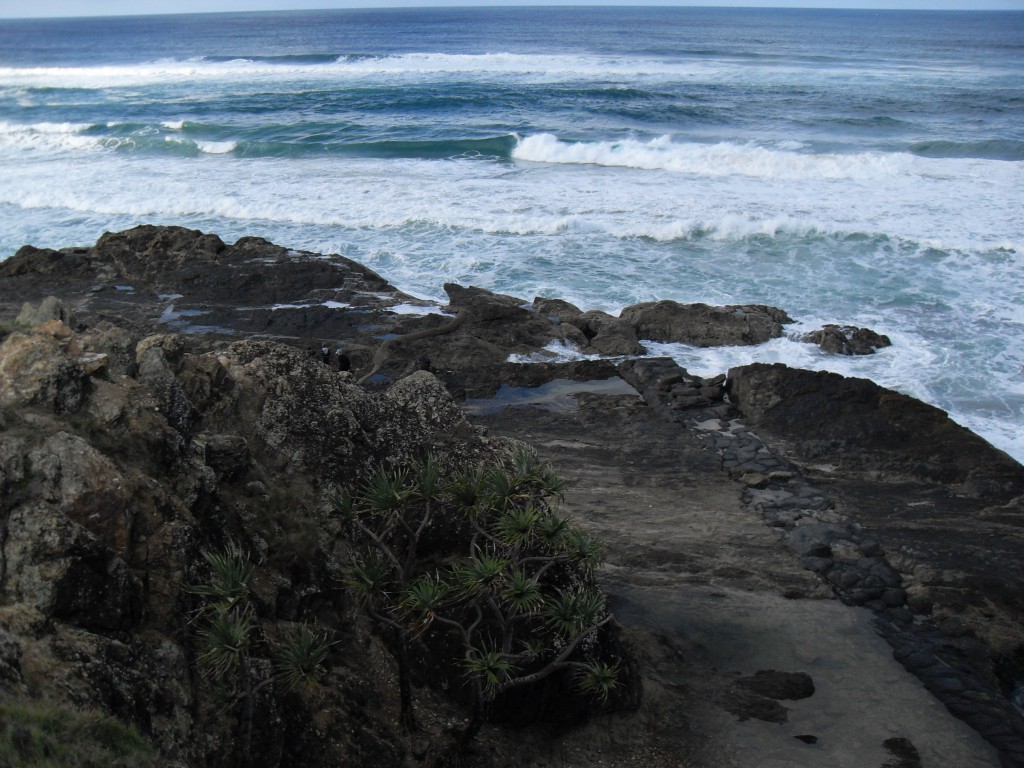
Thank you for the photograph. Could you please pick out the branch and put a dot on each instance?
(381, 546)
(559, 662)
(455, 625)
(386, 620)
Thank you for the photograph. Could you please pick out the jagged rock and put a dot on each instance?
(35, 369)
(102, 520)
(171, 345)
(556, 310)
(227, 455)
(574, 336)
(50, 308)
(607, 335)
(483, 306)
(701, 325)
(156, 372)
(29, 260)
(505, 321)
(861, 425)
(847, 340)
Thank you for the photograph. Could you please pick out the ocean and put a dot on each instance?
(856, 167)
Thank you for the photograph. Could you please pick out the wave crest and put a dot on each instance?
(721, 159)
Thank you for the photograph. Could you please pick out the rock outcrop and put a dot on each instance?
(701, 325)
(113, 480)
(174, 401)
(857, 424)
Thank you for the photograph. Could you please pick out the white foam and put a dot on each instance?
(173, 125)
(49, 137)
(829, 248)
(415, 309)
(216, 147)
(615, 72)
(721, 159)
(556, 351)
(544, 68)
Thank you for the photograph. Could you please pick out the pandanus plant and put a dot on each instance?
(514, 588)
(231, 638)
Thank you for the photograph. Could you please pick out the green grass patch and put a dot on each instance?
(48, 736)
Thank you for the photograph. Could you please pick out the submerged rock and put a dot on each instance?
(847, 340)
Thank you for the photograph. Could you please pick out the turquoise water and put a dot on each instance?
(860, 167)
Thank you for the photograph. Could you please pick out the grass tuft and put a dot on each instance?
(48, 736)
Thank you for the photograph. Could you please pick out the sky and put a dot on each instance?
(40, 8)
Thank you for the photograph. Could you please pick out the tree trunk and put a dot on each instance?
(247, 711)
(407, 715)
(469, 733)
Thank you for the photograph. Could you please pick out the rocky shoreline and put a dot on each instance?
(180, 380)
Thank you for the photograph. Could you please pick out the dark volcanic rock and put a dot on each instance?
(506, 321)
(556, 310)
(702, 325)
(779, 685)
(171, 278)
(860, 425)
(747, 704)
(29, 260)
(607, 335)
(847, 340)
(105, 509)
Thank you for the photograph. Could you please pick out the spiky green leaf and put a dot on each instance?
(518, 525)
(300, 657)
(479, 573)
(584, 549)
(371, 573)
(226, 637)
(384, 492)
(228, 585)
(570, 612)
(424, 598)
(598, 680)
(491, 666)
(521, 594)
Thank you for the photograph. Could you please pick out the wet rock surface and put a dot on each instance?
(847, 340)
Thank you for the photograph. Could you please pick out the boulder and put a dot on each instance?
(847, 340)
(50, 308)
(701, 325)
(147, 252)
(556, 310)
(45, 262)
(607, 335)
(35, 369)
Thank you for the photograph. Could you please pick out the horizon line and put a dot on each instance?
(783, 6)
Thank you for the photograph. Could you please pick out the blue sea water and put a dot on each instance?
(862, 167)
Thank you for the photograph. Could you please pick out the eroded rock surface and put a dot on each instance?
(108, 498)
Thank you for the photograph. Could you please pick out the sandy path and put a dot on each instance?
(710, 596)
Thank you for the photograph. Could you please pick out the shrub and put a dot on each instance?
(486, 559)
